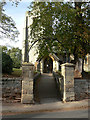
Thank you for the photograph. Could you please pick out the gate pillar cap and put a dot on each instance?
(27, 64)
(68, 64)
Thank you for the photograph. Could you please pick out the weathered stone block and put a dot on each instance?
(27, 98)
(27, 88)
(70, 98)
(69, 79)
(26, 74)
(67, 71)
(27, 83)
(69, 94)
(69, 89)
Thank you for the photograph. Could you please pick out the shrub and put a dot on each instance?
(7, 63)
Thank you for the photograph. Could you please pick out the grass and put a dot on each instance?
(17, 72)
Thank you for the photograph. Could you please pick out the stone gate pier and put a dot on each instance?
(27, 83)
(67, 71)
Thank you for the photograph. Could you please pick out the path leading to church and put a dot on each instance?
(47, 88)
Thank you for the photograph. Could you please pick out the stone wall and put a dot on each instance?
(59, 84)
(11, 88)
(82, 89)
(35, 88)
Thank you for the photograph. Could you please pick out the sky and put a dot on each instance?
(18, 15)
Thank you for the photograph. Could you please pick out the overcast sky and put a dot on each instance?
(18, 15)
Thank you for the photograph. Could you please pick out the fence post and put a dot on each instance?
(27, 83)
(67, 71)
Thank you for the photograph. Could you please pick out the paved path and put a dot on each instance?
(47, 88)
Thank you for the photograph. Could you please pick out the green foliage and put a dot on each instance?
(7, 63)
(17, 72)
(7, 27)
(4, 49)
(81, 30)
(16, 55)
(61, 27)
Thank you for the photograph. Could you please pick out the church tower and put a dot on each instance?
(28, 56)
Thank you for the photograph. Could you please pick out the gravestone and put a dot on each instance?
(27, 83)
(67, 71)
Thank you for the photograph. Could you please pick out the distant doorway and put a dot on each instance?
(48, 65)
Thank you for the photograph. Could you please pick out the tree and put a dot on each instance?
(61, 27)
(7, 63)
(52, 20)
(7, 26)
(81, 31)
(16, 55)
(4, 49)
